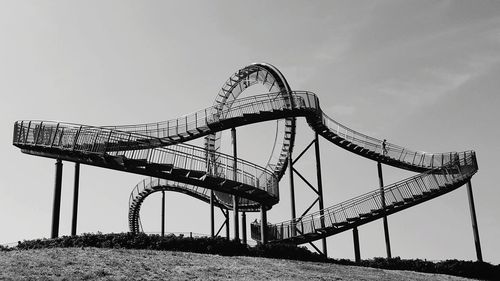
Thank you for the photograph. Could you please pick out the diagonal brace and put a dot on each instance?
(306, 181)
(310, 243)
(226, 214)
(308, 209)
(316, 248)
(303, 151)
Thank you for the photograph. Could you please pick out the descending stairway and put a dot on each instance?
(373, 205)
(127, 152)
(158, 150)
(151, 185)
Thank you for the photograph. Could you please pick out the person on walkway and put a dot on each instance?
(384, 147)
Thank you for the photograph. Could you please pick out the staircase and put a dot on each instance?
(156, 150)
(373, 205)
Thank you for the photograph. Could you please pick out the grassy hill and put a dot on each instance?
(132, 264)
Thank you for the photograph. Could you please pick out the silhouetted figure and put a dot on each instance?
(384, 147)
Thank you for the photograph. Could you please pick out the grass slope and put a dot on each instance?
(127, 264)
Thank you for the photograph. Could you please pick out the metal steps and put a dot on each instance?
(115, 149)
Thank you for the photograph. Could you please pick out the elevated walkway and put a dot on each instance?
(158, 150)
(372, 205)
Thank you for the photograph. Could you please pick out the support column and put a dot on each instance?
(75, 199)
(474, 222)
(244, 227)
(227, 224)
(163, 213)
(292, 194)
(320, 191)
(263, 225)
(212, 223)
(235, 176)
(384, 218)
(355, 238)
(56, 207)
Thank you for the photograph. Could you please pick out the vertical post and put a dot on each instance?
(227, 224)
(263, 225)
(292, 193)
(244, 227)
(235, 175)
(163, 213)
(75, 199)
(320, 191)
(384, 218)
(474, 222)
(355, 238)
(56, 207)
(212, 225)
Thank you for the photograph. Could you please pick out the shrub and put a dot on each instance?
(285, 251)
(222, 246)
(468, 269)
(216, 245)
(4, 248)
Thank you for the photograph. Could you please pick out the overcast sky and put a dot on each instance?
(423, 74)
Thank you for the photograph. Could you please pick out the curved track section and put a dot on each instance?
(150, 185)
(125, 151)
(156, 150)
(211, 121)
(375, 204)
(272, 79)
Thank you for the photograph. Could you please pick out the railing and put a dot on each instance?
(149, 135)
(127, 141)
(393, 151)
(256, 106)
(267, 103)
(151, 183)
(205, 118)
(407, 190)
(130, 144)
(126, 135)
(143, 142)
(99, 140)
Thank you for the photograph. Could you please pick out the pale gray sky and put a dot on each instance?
(423, 74)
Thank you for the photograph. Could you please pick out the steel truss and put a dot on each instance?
(157, 150)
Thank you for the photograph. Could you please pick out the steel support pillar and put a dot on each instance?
(75, 199)
(474, 222)
(163, 213)
(384, 218)
(235, 177)
(263, 225)
(320, 191)
(355, 238)
(56, 207)
(292, 194)
(212, 223)
(244, 227)
(227, 225)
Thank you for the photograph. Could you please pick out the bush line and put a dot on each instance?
(224, 247)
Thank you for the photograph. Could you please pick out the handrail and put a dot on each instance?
(160, 143)
(91, 139)
(371, 202)
(98, 140)
(276, 101)
(198, 117)
(150, 185)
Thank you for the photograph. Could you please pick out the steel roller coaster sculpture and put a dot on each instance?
(158, 150)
